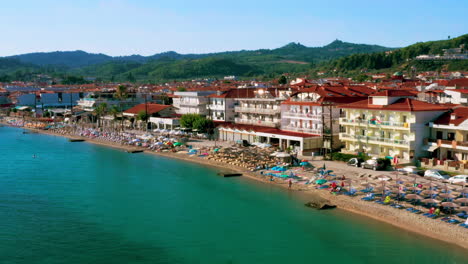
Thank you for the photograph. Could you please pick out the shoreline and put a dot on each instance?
(437, 230)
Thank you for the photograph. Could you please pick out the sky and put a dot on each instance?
(146, 27)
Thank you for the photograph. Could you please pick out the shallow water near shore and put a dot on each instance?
(83, 203)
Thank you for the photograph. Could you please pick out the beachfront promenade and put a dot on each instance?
(259, 163)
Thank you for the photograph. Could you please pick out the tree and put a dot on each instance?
(114, 111)
(181, 89)
(165, 100)
(142, 116)
(121, 94)
(188, 120)
(100, 111)
(130, 77)
(46, 114)
(204, 125)
(283, 80)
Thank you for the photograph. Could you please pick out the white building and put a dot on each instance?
(192, 102)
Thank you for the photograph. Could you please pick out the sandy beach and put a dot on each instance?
(433, 228)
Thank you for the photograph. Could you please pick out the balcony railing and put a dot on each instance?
(241, 109)
(256, 122)
(304, 130)
(453, 143)
(375, 123)
(215, 107)
(375, 139)
(303, 115)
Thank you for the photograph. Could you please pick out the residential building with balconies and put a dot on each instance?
(192, 102)
(262, 109)
(448, 139)
(388, 124)
(316, 110)
(222, 105)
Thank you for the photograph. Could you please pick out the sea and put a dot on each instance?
(75, 202)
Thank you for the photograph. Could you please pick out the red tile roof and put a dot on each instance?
(152, 108)
(463, 91)
(394, 93)
(458, 82)
(268, 130)
(402, 104)
(460, 113)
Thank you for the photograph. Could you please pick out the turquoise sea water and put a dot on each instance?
(81, 203)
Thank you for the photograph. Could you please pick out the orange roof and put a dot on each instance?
(152, 108)
(460, 113)
(458, 82)
(402, 104)
(394, 93)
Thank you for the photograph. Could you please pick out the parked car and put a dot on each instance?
(411, 170)
(459, 179)
(356, 162)
(437, 174)
(374, 164)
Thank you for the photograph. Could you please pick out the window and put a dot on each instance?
(439, 135)
(382, 134)
(363, 132)
(451, 136)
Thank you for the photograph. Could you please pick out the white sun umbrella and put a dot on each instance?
(283, 155)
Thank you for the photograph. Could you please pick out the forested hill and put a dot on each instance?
(402, 58)
(292, 51)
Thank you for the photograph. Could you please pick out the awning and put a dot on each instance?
(430, 148)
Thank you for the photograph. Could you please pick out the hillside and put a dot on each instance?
(293, 57)
(401, 59)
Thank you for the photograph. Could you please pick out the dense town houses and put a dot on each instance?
(393, 116)
(388, 124)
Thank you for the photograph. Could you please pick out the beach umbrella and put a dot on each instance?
(430, 201)
(450, 204)
(430, 192)
(283, 155)
(463, 208)
(414, 188)
(178, 144)
(384, 178)
(447, 195)
(321, 181)
(461, 200)
(414, 197)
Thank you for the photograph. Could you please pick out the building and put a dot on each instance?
(261, 109)
(388, 124)
(155, 112)
(316, 111)
(222, 105)
(192, 102)
(448, 139)
(92, 100)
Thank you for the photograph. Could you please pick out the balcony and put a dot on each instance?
(302, 115)
(218, 107)
(257, 122)
(303, 130)
(376, 140)
(451, 144)
(253, 110)
(366, 123)
(190, 104)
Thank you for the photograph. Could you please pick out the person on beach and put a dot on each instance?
(271, 178)
(437, 212)
(431, 211)
(289, 183)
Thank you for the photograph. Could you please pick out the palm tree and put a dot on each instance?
(99, 111)
(114, 111)
(121, 94)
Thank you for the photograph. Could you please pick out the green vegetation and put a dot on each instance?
(197, 122)
(400, 58)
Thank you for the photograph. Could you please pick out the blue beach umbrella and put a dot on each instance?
(321, 181)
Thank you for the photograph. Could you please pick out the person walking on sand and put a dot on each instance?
(289, 183)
